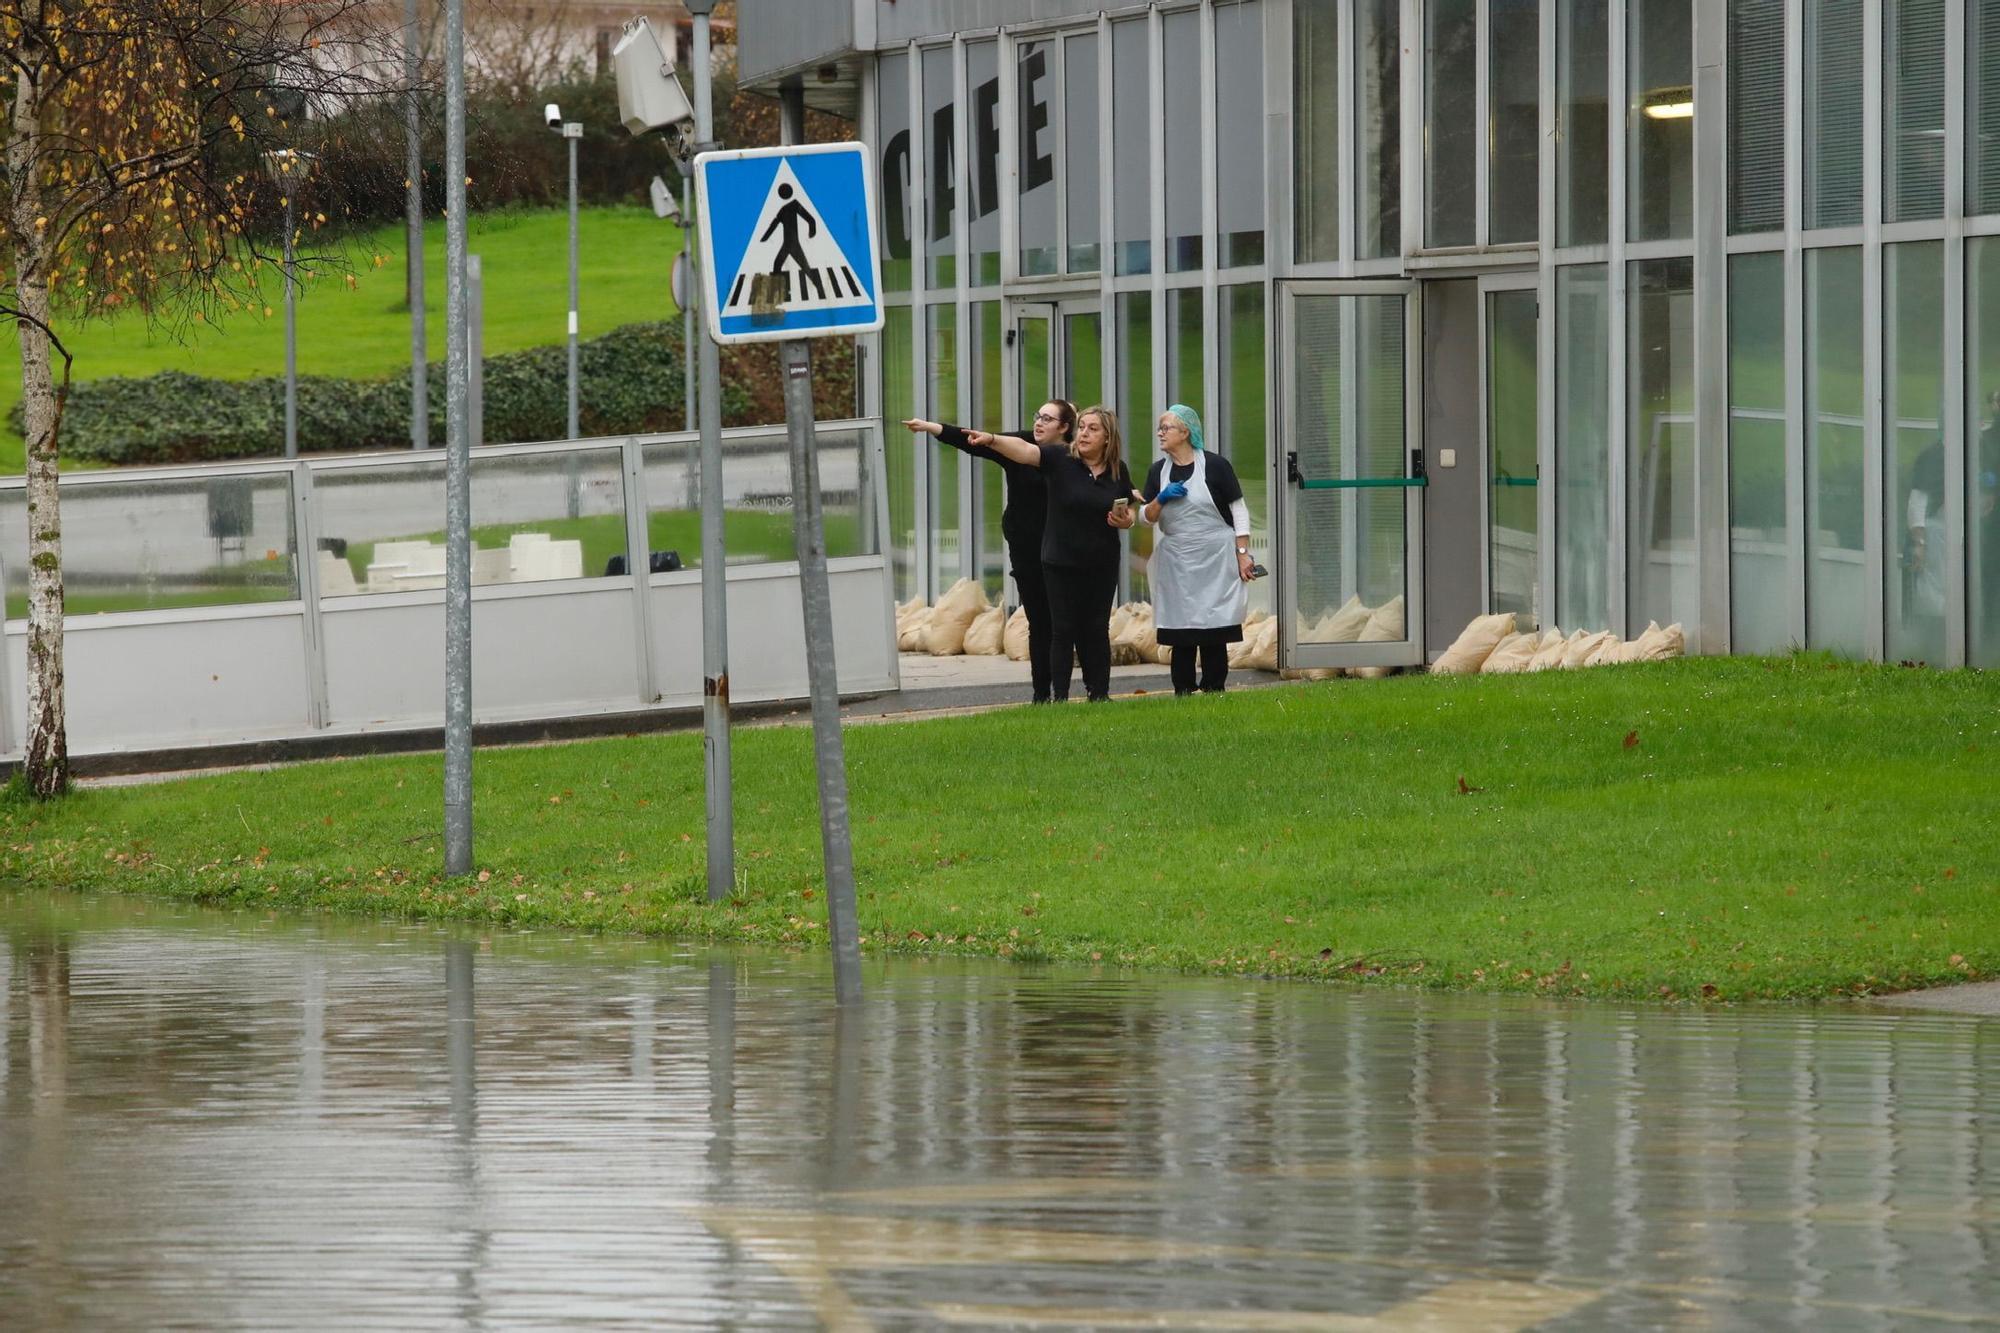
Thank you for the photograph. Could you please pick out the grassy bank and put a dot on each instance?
(624, 259)
(1698, 829)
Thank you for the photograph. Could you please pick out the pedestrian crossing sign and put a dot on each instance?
(788, 242)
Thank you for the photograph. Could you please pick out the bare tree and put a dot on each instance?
(135, 177)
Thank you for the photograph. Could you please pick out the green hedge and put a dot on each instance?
(631, 381)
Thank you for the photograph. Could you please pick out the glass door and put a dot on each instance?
(1512, 430)
(1034, 359)
(1350, 584)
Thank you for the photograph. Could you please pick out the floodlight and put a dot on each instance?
(649, 97)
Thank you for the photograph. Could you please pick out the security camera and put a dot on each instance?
(663, 199)
(649, 97)
(553, 115)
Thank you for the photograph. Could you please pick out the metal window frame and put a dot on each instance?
(1490, 285)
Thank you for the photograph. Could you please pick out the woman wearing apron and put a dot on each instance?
(1201, 560)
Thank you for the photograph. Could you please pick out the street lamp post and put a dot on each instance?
(571, 132)
(288, 167)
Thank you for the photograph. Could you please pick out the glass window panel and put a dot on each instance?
(1451, 120)
(1131, 144)
(892, 106)
(757, 502)
(1583, 443)
(982, 185)
(165, 543)
(1583, 144)
(1515, 134)
(1761, 572)
(1083, 358)
(1239, 133)
(1835, 443)
(1756, 115)
(1036, 90)
(940, 171)
(1378, 229)
(1181, 80)
(1513, 417)
(1982, 107)
(1982, 454)
(1316, 130)
(1834, 90)
(989, 407)
(1245, 430)
(562, 515)
(1137, 411)
(1659, 121)
(1662, 576)
(1915, 472)
(1913, 110)
(1081, 166)
(943, 466)
(901, 450)
(1184, 347)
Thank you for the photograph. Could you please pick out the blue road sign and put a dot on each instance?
(788, 242)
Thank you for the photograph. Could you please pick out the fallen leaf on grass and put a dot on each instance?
(1631, 739)
(1463, 789)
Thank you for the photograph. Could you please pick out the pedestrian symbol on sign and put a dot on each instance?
(793, 263)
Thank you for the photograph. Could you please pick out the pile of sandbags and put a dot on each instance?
(952, 617)
(1385, 625)
(1490, 645)
(912, 618)
(1257, 650)
(1139, 640)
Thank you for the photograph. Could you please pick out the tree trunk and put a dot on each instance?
(47, 762)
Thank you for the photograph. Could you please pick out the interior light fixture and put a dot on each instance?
(1671, 110)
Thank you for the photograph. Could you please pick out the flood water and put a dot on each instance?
(231, 1120)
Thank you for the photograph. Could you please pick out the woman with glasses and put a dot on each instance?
(1021, 521)
(1201, 561)
(1090, 503)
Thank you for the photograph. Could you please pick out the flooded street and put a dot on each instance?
(237, 1120)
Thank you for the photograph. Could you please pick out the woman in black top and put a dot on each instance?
(1090, 502)
(1022, 521)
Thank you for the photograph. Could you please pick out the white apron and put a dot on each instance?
(1196, 582)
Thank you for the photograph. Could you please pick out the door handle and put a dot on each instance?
(1292, 473)
(1417, 464)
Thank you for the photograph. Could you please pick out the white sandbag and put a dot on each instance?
(1581, 645)
(1255, 618)
(1468, 652)
(982, 637)
(1550, 651)
(1122, 653)
(1344, 625)
(1610, 651)
(1014, 639)
(1511, 654)
(910, 630)
(1385, 625)
(1262, 653)
(1657, 645)
(952, 616)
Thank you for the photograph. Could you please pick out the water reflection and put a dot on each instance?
(220, 1120)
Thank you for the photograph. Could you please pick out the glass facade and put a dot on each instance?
(1802, 383)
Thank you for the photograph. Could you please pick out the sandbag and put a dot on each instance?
(1656, 644)
(952, 616)
(1550, 653)
(1468, 652)
(1511, 654)
(1141, 638)
(1611, 650)
(910, 630)
(1014, 639)
(982, 637)
(1344, 625)
(1261, 646)
(1385, 625)
(1122, 653)
(1309, 673)
(1582, 644)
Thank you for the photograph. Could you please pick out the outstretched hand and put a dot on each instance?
(982, 439)
(918, 426)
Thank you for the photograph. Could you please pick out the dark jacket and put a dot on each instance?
(1023, 520)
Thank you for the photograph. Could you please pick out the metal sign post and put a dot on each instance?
(789, 239)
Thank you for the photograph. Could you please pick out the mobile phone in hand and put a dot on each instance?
(1121, 505)
(1258, 571)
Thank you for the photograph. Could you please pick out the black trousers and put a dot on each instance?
(1214, 666)
(1032, 585)
(1080, 623)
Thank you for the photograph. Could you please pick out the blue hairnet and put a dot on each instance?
(1189, 418)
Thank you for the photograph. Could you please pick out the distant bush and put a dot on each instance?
(629, 381)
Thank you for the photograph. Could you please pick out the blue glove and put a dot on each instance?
(1173, 490)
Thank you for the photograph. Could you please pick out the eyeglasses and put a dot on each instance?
(1046, 418)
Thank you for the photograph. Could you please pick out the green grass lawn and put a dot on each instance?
(624, 261)
(1717, 828)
